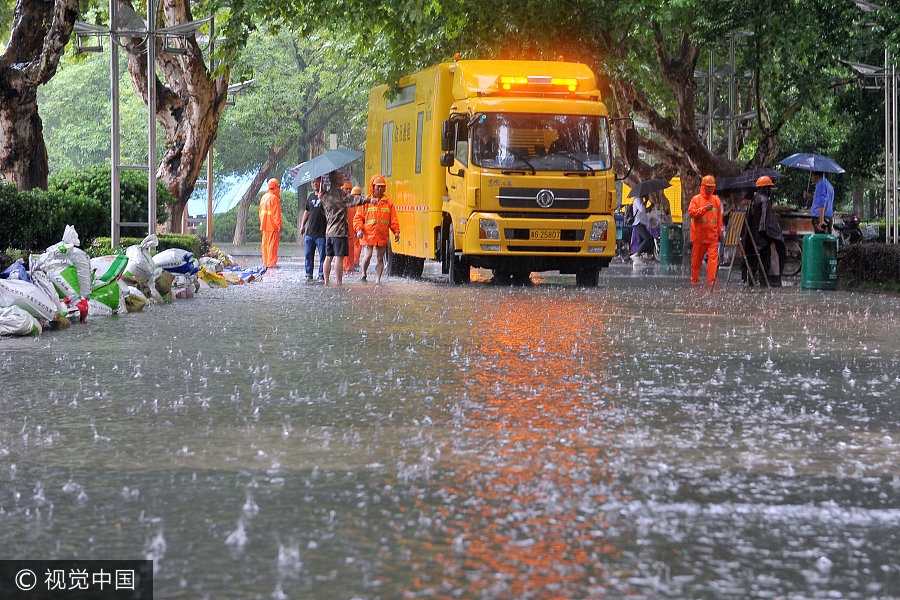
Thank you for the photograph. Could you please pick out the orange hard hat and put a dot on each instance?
(379, 180)
(708, 180)
(346, 186)
(764, 181)
(356, 191)
(273, 183)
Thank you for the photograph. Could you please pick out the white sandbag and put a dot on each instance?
(98, 309)
(28, 296)
(176, 260)
(107, 268)
(42, 280)
(68, 267)
(140, 262)
(16, 321)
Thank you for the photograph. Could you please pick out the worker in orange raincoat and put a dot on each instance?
(705, 211)
(270, 223)
(373, 224)
(351, 261)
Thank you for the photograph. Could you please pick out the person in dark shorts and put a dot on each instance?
(335, 201)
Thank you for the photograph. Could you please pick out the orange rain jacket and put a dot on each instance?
(706, 226)
(270, 208)
(376, 220)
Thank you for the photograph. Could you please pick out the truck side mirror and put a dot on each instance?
(447, 158)
(631, 146)
(448, 135)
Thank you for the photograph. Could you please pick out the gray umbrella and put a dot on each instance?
(322, 164)
(645, 188)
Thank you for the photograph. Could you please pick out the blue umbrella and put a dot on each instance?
(322, 164)
(812, 162)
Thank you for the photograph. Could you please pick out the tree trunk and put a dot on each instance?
(40, 31)
(273, 157)
(188, 107)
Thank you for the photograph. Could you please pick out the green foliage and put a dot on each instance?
(303, 87)
(96, 182)
(76, 112)
(224, 224)
(102, 246)
(36, 219)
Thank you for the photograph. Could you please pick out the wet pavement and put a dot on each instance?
(413, 439)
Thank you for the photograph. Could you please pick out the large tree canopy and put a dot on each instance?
(648, 50)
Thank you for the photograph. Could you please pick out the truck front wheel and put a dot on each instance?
(396, 263)
(587, 277)
(460, 271)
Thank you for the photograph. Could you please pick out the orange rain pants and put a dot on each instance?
(706, 230)
(270, 224)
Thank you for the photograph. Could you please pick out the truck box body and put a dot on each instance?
(530, 186)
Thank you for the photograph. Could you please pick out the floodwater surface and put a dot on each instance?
(641, 439)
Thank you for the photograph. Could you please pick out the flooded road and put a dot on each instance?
(640, 439)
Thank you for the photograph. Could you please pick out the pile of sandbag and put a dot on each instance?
(218, 268)
(63, 283)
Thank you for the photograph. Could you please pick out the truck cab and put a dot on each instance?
(524, 169)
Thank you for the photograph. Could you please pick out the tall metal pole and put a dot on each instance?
(209, 194)
(731, 96)
(894, 145)
(151, 121)
(115, 148)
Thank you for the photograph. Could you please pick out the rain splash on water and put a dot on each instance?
(420, 440)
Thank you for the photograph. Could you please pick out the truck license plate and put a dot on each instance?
(545, 234)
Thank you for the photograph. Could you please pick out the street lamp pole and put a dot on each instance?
(129, 25)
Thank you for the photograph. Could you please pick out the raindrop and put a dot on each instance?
(155, 550)
(238, 537)
(823, 565)
(289, 563)
(250, 508)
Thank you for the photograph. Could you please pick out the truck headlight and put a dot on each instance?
(598, 232)
(488, 230)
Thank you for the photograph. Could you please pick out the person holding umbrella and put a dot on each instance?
(335, 202)
(822, 210)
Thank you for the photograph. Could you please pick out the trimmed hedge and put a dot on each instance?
(869, 266)
(33, 220)
(96, 182)
(101, 246)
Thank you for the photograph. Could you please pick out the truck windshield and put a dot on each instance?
(539, 142)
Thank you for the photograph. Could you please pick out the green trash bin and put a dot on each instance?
(818, 268)
(671, 244)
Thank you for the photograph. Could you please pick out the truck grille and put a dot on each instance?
(562, 199)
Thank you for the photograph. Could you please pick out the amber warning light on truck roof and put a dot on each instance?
(536, 82)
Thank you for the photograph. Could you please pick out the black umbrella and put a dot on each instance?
(746, 180)
(645, 188)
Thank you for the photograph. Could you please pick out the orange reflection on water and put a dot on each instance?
(526, 518)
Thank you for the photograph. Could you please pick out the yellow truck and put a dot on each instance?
(498, 164)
